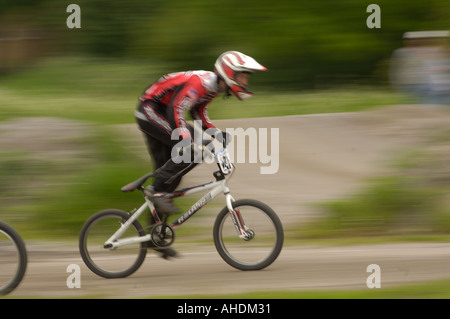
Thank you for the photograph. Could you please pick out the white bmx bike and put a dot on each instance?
(248, 234)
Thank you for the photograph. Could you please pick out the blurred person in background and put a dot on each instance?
(161, 117)
(422, 67)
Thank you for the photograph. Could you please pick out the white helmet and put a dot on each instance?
(228, 64)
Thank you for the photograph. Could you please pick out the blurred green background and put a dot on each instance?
(305, 44)
(321, 57)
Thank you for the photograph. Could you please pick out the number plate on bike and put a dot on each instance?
(223, 160)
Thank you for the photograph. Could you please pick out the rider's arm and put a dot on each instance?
(185, 99)
(199, 112)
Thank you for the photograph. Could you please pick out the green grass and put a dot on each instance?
(338, 100)
(439, 289)
(106, 91)
(424, 290)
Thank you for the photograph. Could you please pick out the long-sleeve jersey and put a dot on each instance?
(183, 91)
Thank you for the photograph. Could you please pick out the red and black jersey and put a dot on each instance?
(183, 91)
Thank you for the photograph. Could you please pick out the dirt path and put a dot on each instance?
(200, 271)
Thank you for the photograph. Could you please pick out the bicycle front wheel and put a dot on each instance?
(111, 263)
(266, 241)
(13, 259)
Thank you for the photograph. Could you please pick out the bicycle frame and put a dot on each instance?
(215, 188)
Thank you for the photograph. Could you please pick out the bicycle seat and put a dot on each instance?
(137, 183)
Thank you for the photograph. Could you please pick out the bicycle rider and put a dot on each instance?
(162, 108)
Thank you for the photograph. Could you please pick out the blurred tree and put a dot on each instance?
(305, 44)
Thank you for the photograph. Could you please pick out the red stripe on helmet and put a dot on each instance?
(238, 57)
(228, 71)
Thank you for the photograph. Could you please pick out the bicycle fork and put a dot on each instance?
(243, 231)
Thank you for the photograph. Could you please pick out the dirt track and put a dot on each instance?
(321, 157)
(200, 271)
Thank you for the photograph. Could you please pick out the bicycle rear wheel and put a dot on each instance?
(267, 236)
(111, 263)
(13, 259)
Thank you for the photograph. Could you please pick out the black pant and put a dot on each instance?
(156, 122)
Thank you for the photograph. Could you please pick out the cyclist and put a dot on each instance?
(161, 116)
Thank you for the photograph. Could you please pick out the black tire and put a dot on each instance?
(8, 234)
(87, 249)
(253, 213)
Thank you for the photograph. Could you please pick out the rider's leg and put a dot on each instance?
(159, 151)
(157, 132)
(169, 175)
(167, 179)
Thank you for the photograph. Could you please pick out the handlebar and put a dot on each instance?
(221, 156)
